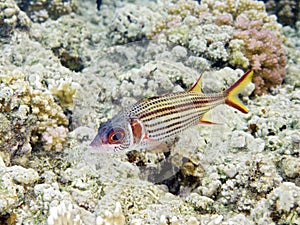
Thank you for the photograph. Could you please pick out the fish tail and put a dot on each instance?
(232, 92)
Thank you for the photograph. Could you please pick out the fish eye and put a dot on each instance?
(116, 136)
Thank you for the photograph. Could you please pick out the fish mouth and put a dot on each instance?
(101, 147)
(96, 142)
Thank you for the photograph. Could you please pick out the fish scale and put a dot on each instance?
(170, 114)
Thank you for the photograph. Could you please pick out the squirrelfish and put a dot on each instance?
(151, 121)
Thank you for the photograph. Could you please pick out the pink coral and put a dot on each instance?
(264, 51)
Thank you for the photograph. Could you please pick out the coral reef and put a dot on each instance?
(64, 215)
(54, 138)
(222, 31)
(273, 125)
(292, 49)
(60, 78)
(285, 199)
(27, 105)
(132, 23)
(40, 11)
(15, 182)
(11, 17)
(192, 25)
(65, 43)
(287, 11)
(264, 51)
(27, 114)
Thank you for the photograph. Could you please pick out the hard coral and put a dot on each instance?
(240, 33)
(64, 214)
(192, 25)
(12, 17)
(66, 42)
(15, 182)
(40, 11)
(287, 11)
(54, 138)
(26, 113)
(236, 8)
(132, 23)
(264, 51)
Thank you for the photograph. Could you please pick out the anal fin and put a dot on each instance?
(206, 119)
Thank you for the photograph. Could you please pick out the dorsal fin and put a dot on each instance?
(197, 87)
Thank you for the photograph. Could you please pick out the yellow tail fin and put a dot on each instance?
(233, 91)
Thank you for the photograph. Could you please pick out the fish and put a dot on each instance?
(149, 122)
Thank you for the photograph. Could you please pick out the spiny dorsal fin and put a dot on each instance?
(197, 87)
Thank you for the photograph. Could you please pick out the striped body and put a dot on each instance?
(149, 122)
(168, 115)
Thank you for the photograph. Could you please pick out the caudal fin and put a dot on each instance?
(233, 91)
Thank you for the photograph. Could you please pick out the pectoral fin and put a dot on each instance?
(154, 146)
(161, 147)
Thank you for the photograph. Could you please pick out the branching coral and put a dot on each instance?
(235, 8)
(54, 138)
(64, 91)
(63, 215)
(264, 51)
(67, 215)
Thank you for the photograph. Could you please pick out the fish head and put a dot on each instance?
(113, 136)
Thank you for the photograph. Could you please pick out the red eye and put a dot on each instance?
(116, 136)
